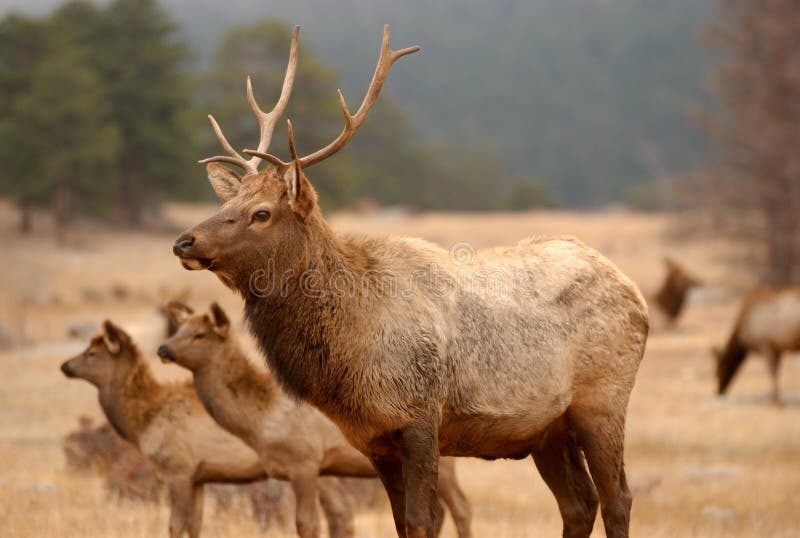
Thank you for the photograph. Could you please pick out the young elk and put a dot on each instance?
(294, 441)
(671, 297)
(768, 323)
(408, 351)
(171, 428)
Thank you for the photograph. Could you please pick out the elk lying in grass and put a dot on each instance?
(670, 299)
(172, 429)
(401, 345)
(294, 441)
(768, 323)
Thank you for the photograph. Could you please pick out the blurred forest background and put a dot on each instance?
(512, 105)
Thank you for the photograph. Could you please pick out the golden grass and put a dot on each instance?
(698, 465)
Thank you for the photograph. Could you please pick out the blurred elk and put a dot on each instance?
(169, 426)
(294, 441)
(768, 323)
(670, 299)
(542, 367)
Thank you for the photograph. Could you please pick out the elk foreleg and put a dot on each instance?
(774, 362)
(304, 485)
(181, 496)
(420, 464)
(390, 471)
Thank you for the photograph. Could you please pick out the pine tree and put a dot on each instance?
(143, 61)
(64, 143)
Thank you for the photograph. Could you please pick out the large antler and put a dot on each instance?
(351, 121)
(266, 121)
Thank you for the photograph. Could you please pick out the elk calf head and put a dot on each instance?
(109, 356)
(200, 338)
(270, 214)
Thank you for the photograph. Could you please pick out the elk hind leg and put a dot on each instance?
(338, 507)
(560, 462)
(453, 497)
(601, 434)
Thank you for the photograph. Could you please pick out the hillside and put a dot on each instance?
(588, 96)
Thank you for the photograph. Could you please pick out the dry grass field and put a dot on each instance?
(698, 465)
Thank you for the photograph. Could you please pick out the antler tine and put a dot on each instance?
(290, 131)
(266, 121)
(352, 122)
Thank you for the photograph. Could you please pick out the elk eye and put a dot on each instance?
(199, 336)
(262, 215)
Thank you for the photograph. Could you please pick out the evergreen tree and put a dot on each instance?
(22, 46)
(143, 62)
(64, 144)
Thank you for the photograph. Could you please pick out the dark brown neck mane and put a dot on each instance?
(298, 329)
(131, 403)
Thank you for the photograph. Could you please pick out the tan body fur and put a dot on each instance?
(294, 441)
(768, 323)
(168, 423)
(541, 364)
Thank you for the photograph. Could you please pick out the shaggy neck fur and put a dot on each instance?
(235, 393)
(299, 331)
(130, 403)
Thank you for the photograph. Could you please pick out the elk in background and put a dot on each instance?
(440, 366)
(768, 323)
(294, 441)
(670, 299)
(171, 428)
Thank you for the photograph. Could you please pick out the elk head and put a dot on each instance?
(269, 215)
(109, 356)
(200, 338)
(679, 276)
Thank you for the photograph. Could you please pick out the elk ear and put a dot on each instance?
(302, 196)
(716, 352)
(177, 312)
(224, 181)
(220, 320)
(114, 338)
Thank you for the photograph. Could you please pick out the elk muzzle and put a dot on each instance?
(185, 248)
(165, 354)
(66, 369)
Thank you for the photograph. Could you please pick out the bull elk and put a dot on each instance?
(294, 441)
(768, 323)
(170, 427)
(400, 345)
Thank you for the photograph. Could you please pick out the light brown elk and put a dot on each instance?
(401, 346)
(768, 323)
(171, 428)
(294, 441)
(670, 298)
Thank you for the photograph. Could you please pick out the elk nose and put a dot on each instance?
(182, 244)
(164, 352)
(66, 369)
